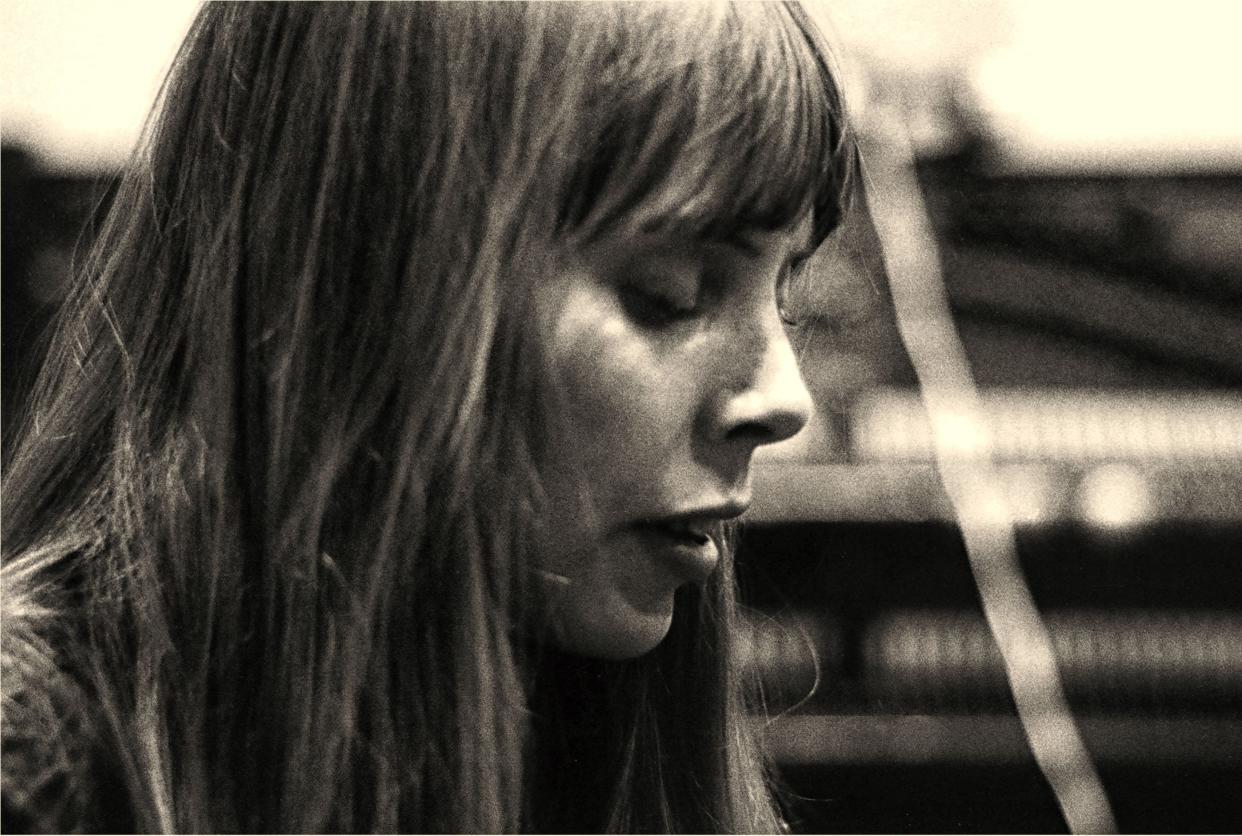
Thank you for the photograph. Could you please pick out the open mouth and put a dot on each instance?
(685, 546)
(690, 532)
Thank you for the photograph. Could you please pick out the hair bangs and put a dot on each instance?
(736, 124)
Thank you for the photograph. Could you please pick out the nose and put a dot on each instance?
(768, 400)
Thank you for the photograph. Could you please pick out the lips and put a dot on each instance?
(684, 545)
(696, 531)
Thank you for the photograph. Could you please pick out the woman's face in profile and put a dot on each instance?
(676, 363)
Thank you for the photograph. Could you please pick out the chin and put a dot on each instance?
(586, 629)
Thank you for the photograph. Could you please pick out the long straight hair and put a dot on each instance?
(267, 526)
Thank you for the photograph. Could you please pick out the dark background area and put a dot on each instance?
(45, 219)
(1065, 287)
(912, 728)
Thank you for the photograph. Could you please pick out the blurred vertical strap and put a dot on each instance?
(963, 458)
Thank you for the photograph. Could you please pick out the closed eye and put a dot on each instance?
(654, 309)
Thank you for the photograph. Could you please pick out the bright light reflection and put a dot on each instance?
(961, 435)
(1114, 496)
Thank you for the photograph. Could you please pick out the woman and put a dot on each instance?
(380, 475)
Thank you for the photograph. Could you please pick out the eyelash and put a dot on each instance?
(653, 309)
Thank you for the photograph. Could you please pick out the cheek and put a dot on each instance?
(628, 405)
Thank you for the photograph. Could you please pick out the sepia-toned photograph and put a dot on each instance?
(621, 417)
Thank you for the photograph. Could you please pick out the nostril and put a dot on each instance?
(761, 416)
(774, 427)
(789, 424)
(754, 432)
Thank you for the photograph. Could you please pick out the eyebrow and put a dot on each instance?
(739, 240)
